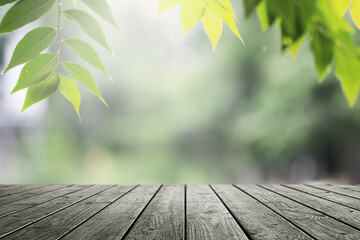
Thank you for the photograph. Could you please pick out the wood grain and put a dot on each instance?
(259, 221)
(114, 221)
(207, 217)
(63, 221)
(339, 212)
(339, 190)
(331, 196)
(310, 221)
(29, 216)
(163, 218)
(37, 199)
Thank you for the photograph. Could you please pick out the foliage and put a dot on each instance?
(322, 21)
(41, 74)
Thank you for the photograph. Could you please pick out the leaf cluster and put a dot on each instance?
(321, 20)
(41, 74)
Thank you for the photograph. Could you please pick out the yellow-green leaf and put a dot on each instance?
(70, 91)
(213, 26)
(75, 3)
(191, 12)
(355, 12)
(82, 75)
(36, 70)
(86, 52)
(263, 15)
(294, 48)
(347, 68)
(165, 5)
(339, 6)
(32, 45)
(24, 12)
(89, 25)
(41, 90)
(227, 16)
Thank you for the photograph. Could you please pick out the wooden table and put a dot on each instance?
(179, 212)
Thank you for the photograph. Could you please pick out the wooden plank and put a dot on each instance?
(339, 190)
(258, 220)
(330, 196)
(37, 199)
(61, 222)
(115, 220)
(24, 218)
(310, 221)
(10, 190)
(29, 193)
(208, 218)
(339, 212)
(163, 218)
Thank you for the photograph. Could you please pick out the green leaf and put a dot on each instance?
(36, 70)
(355, 12)
(249, 6)
(294, 49)
(32, 45)
(4, 2)
(191, 12)
(42, 90)
(227, 15)
(86, 52)
(165, 5)
(102, 9)
(70, 91)
(347, 68)
(213, 26)
(89, 25)
(24, 12)
(265, 19)
(82, 75)
(323, 52)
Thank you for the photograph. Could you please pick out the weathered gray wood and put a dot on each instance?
(37, 199)
(339, 190)
(310, 221)
(163, 218)
(258, 221)
(113, 221)
(351, 187)
(10, 190)
(339, 212)
(26, 217)
(207, 217)
(331, 196)
(61, 222)
(29, 193)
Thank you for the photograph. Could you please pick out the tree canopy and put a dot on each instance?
(325, 22)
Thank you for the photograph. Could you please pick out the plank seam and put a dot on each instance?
(138, 216)
(281, 216)
(37, 194)
(39, 203)
(247, 234)
(22, 191)
(52, 213)
(333, 191)
(86, 219)
(185, 212)
(347, 224)
(319, 197)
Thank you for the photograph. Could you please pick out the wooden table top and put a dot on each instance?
(180, 212)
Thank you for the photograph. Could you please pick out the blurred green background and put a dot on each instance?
(181, 113)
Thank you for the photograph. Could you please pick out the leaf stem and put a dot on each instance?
(59, 34)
